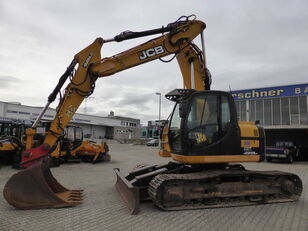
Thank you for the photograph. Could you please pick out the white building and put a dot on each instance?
(94, 127)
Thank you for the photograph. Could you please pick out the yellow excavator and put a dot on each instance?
(72, 145)
(11, 142)
(203, 136)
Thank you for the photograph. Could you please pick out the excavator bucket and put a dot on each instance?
(36, 188)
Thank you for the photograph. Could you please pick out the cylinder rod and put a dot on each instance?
(38, 119)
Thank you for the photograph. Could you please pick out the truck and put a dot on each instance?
(283, 150)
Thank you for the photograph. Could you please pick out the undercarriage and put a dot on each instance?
(177, 186)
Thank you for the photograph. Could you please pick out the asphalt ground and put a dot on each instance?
(103, 208)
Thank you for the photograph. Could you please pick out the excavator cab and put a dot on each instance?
(204, 130)
(203, 123)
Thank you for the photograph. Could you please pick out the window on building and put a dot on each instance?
(237, 105)
(285, 111)
(268, 112)
(82, 120)
(24, 113)
(252, 110)
(259, 111)
(303, 110)
(276, 111)
(156, 133)
(294, 110)
(48, 116)
(243, 110)
(87, 135)
(11, 111)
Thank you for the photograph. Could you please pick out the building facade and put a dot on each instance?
(277, 107)
(281, 110)
(94, 127)
(153, 130)
(129, 128)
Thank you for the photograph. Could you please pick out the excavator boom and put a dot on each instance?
(90, 67)
(176, 39)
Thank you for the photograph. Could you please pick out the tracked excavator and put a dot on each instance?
(203, 136)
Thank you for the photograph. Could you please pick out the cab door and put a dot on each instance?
(210, 126)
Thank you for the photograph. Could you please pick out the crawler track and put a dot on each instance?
(223, 188)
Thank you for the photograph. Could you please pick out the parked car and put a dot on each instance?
(283, 150)
(153, 142)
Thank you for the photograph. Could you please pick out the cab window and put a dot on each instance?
(175, 129)
(208, 119)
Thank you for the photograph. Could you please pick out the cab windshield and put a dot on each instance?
(208, 119)
(5, 129)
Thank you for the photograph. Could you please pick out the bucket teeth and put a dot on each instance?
(77, 191)
(75, 197)
(70, 196)
(74, 193)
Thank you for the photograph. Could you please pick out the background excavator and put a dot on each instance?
(15, 137)
(203, 136)
(11, 142)
(70, 146)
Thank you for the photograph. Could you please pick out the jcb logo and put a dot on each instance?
(150, 52)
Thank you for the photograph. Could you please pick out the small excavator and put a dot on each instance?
(11, 142)
(203, 136)
(73, 145)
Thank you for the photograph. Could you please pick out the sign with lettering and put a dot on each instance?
(271, 92)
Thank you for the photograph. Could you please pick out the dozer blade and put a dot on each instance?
(36, 188)
(129, 193)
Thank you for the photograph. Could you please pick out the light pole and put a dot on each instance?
(159, 113)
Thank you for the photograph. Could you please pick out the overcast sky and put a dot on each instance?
(249, 44)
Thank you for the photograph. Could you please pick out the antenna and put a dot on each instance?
(230, 88)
